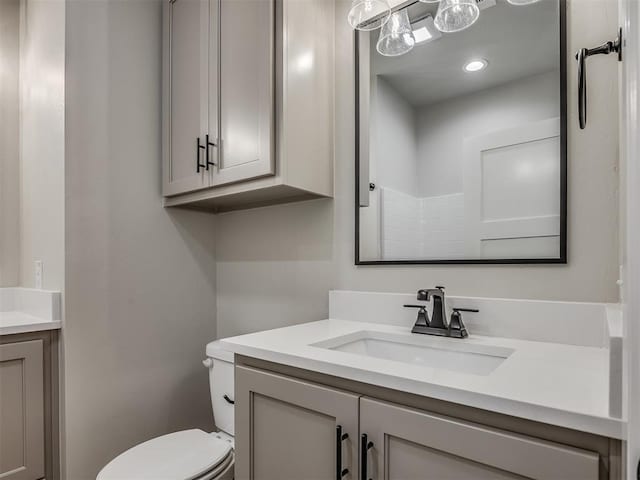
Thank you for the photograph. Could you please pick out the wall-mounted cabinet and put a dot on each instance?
(247, 102)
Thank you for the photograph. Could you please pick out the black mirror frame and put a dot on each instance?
(562, 258)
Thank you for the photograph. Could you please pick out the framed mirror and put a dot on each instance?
(461, 140)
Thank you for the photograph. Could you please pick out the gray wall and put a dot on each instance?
(140, 280)
(9, 142)
(394, 155)
(32, 142)
(42, 142)
(276, 264)
(441, 128)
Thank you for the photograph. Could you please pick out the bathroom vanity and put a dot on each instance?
(29, 325)
(362, 399)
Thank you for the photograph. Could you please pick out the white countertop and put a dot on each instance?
(18, 322)
(557, 384)
(25, 310)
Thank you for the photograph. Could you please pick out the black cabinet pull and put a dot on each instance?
(365, 445)
(340, 437)
(198, 148)
(208, 155)
(227, 399)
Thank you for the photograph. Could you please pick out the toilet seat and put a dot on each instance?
(185, 455)
(224, 471)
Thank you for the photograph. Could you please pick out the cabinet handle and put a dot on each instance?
(340, 437)
(365, 445)
(208, 155)
(198, 148)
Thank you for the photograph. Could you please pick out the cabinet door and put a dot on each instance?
(287, 429)
(247, 90)
(413, 445)
(21, 411)
(185, 95)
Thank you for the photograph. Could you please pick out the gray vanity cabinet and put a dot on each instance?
(287, 428)
(21, 411)
(286, 422)
(411, 444)
(28, 449)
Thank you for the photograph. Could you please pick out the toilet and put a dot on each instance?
(188, 454)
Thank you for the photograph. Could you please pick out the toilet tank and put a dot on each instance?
(221, 386)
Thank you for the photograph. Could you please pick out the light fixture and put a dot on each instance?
(456, 15)
(475, 65)
(522, 2)
(396, 36)
(368, 15)
(429, 1)
(425, 31)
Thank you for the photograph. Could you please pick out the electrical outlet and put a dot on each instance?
(38, 274)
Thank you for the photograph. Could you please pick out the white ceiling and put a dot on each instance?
(517, 41)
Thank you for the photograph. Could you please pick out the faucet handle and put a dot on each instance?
(456, 324)
(423, 316)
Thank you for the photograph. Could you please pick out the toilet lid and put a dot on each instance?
(181, 455)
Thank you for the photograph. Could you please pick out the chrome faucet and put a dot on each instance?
(438, 324)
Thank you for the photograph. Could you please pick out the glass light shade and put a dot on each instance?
(456, 15)
(522, 2)
(429, 1)
(368, 15)
(396, 37)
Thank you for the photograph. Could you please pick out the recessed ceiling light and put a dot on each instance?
(522, 2)
(476, 65)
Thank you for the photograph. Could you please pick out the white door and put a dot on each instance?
(185, 107)
(630, 153)
(247, 91)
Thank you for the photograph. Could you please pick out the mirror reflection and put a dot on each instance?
(461, 144)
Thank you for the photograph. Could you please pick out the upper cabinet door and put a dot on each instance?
(408, 444)
(185, 96)
(247, 90)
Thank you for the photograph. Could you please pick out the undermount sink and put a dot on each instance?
(421, 350)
